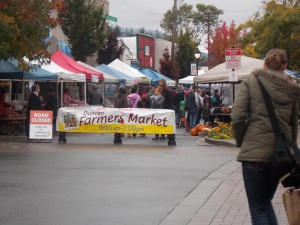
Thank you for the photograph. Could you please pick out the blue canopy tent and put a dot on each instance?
(151, 75)
(155, 76)
(123, 78)
(37, 74)
(9, 70)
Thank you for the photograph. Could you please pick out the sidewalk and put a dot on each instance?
(220, 199)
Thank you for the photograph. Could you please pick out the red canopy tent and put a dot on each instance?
(70, 64)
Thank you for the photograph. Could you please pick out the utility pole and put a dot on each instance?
(208, 42)
(174, 29)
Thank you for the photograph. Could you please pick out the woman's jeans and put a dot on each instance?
(193, 113)
(260, 184)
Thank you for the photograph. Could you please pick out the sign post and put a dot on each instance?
(233, 61)
(233, 58)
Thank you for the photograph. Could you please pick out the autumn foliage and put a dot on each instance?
(223, 37)
(24, 27)
(169, 67)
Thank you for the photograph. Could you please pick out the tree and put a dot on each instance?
(198, 23)
(111, 50)
(222, 38)
(277, 27)
(183, 16)
(129, 32)
(206, 19)
(24, 27)
(185, 53)
(158, 34)
(117, 30)
(83, 22)
(142, 30)
(169, 67)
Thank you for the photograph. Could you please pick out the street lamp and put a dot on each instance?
(197, 56)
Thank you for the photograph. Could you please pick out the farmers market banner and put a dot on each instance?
(95, 119)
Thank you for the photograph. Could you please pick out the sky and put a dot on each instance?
(148, 13)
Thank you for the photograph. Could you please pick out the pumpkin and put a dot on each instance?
(223, 110)
(182, 120)
(199, 127)
(194, 132)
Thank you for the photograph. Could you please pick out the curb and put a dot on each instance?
(223, 142)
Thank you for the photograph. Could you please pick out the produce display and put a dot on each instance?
(220, 131)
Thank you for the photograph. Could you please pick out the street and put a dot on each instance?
(89, 180)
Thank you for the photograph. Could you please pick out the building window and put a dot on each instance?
(147, 50)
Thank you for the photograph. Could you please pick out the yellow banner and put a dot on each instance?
(110, 120)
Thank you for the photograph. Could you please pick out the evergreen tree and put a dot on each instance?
(83, 22)
(117, 30)
(111, 50)
(129, 32)
(157, 34)
(185, 53)
(142, 30)
(183, 14)
(169, 67)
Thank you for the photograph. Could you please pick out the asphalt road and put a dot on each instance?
(90, 181)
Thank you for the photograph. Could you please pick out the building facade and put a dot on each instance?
(144, 51)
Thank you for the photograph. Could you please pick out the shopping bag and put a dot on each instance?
(291, 201)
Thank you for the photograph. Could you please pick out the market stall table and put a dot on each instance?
(223, 117)
(11, 125)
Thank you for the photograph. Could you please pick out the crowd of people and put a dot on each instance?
(190, 105)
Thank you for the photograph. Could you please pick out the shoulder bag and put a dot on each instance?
(286, 151)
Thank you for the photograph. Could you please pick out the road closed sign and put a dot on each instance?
(40, 124)
(233, 58)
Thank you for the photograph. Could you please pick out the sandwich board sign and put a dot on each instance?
(40, 124)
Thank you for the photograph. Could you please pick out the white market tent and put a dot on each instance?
(65, 76)
(107, 77)
(128, 70)
(190, 79)
(62, 73)
(220, 74)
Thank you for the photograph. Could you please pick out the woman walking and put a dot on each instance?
(121, 99)
(166, 93)
(257, 149)
(157, 101)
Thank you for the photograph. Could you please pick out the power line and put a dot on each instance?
(137, 9)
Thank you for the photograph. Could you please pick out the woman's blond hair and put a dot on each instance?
(164, 84)
(275, 58)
